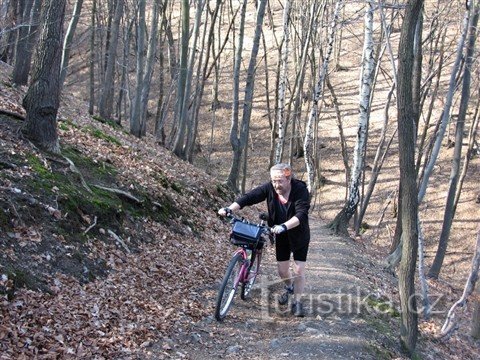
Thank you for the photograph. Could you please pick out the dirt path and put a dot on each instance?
(340, 322)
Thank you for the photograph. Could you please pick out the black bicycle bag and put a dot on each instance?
(245, 234)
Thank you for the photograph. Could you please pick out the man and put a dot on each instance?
(288, 202)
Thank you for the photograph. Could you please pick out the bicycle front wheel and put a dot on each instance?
(251, 276)
(229, 286)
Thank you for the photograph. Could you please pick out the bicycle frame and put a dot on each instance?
(241, 270)
(244, 270)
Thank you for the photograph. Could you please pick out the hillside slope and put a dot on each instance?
(115, 233)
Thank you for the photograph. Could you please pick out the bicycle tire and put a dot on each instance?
(229, 285)
(251, 276)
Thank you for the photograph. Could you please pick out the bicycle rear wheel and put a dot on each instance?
(229, 286)
(251, 276)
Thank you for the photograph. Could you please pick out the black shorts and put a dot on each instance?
(285, 247)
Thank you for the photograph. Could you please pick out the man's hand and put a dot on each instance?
(224, 211)
(278, 229)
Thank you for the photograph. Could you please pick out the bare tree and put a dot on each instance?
(42, 99)
(450, 207)
(180, 120)
(186, 126)
(340, 223)
(308, 144)
(67, 44)
(232, 180)
(106, 97)
(282, 84)
(27, 33)
(239, 143)
(91, 99)
(449, 324)
(446, 111)
(409, 209)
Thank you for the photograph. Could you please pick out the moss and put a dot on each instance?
(162, 179)
(109, 122)
(379, 352)
(21, 278)
(383, 307)
(4, 219)
(364, 227)
(101, 135)
(224, 192)
(88, 167)
(38, 167)
(167, 183)
(63, 126)
(176, 187)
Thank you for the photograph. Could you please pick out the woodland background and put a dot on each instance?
(357, 95)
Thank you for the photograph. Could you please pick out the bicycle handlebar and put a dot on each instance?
(267, 230)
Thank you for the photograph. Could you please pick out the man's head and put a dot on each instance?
(281, 177)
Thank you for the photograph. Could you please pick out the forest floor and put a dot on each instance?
(347, 316)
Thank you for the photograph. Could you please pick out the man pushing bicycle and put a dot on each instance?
(288, 202)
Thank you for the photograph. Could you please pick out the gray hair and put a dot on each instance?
(285, 168)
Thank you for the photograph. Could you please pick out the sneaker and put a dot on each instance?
(283, 299)
(297, 309)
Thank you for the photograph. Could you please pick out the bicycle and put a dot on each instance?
(244, 266)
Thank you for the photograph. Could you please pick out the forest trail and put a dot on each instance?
(343, 320)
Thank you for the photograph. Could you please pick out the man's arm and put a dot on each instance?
(233, 207)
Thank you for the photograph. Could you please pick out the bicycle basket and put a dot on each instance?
(245, 234)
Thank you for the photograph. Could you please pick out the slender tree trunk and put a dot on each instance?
(91, 100)
(42, 99)
(106, 99)
(417, 71)
(136, 110)
(8, 37)
(449, 324)
(187, 115)
(282, 84)
(475, 329)
(468, 154)
(180, 120)
(69, 39)
(340, 223)
(409, 209)
(151, 58)
(450, 209)
(21, 68)
(308, 144)
(446, 111)
(232, 180)
(293, 116)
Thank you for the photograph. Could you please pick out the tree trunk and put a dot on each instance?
(449, 324)
(179, 120)
(475, 329)
(68, 40)
(446, 111)
(409, 209)
(91, 99)
(136, 110)
(232, 180)
(106, 99)
(308, 143)
(9, 35)
(187, 116)
(364, 109)
(282, 84)
(450, 209)
(21, 67)
(42, 99)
